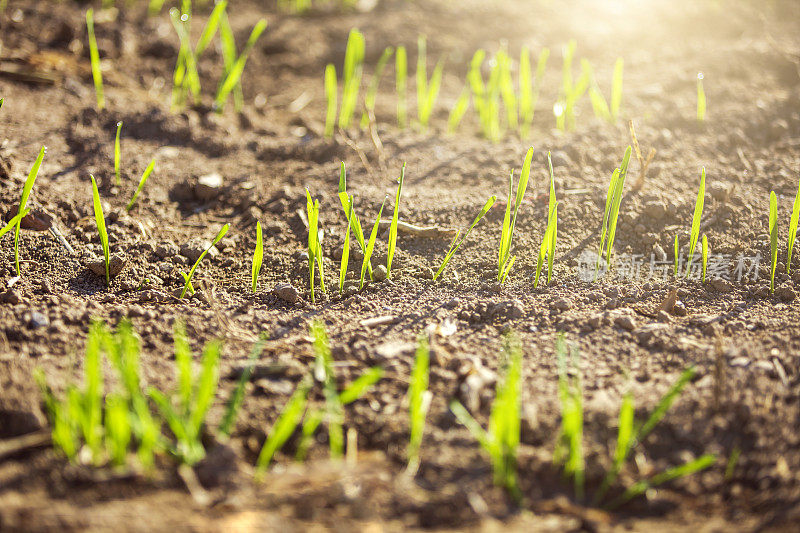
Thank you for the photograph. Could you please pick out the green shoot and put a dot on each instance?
(189, 276)
(154, 7)
(353, 65)
(395, 219)
(344, 199)
(193, 398)
(26, 192)
(118, 429)
(730, 467)
(571, 92)
(1, 102)
(793, 230)
(100, 220)
(676, 472)
(283, 428)
(501, 439)
(427, 93)
(704, 253)
(698, 213)
(616, 89)
(676, 252)
(505, 259)
(548, 246)
(456, 244)
(346, 247)
(611, 212)
(773, 237)
(237, 398)
(372, 90)
(13, 222)
(235, 74)
(401, 85)
(314, 245)
(94, 56)
(569, 447)
(701, 99)
(458, 111)
(507, 87)
(371, 245)
(486, 97)
(529, 95)
(419, 401)
(330, 96)
(258, 256)
(142, 181)
(228, 47)
(117, 155)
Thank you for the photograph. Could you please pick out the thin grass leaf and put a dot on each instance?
(205, 388)
(361, 385)
(258, 256)
(94, 56)
(612, 187)
(625, 434)
(616, 89)
(569, 448)
(371, 245)
(419, 401)
(117, 155)
(92, 400)
(401, 85)
(183, 366)
(458, 111)
(677, 472)
(344, 199)
(704, 252)
(330, 97)
(117, 429)
(237, 398)
(235, 74)
(676, 251)
(346, 246)
(701, 99)
(372, 90)
(614, 215)
(393, 226)
(100, 220)
(509, 224)
(228, 47)
(218, 238)
(142, 181)
(456, 243)
(793, 229)
(773, 238)
(13, 222)
(26, 192)
(664, 404)
(698, 213)
(353, 65)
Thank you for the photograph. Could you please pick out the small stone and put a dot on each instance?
(655, 210)
(785, 293)
(115, 265)
(595, 321)
(193, 249)
(625, 322)
(721, 285)
(379, 273)
(679, 309)
(560, 305)
(507, 310)
(718, 191)
(135, 310)
(648, 332)
(167, 249)
(455, 302)
(560, 159)
(286, 292)
(740, 361)
(208, 186)
(38, 320)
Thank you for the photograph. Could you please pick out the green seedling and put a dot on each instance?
(330, 96)
(234, 75)
(370, 246)
(773, 238)
(353, 67)
(600, 106)
(505, 258)
(676, 472)
(100, 220)
(395, 219)
(548, 246)
(117, 154)
(676, 250)
(372, 91)
(344, 199)
(228, 47)
(401, 85)
(258, 256)
(704, 253)
(427, 91)
(345, 262)
(185, 411)
(793, 230)
(611, 212)
(459, 110)
(13, 222)
(501, 439)
(569, 446)
(616, 89)
(571, 91)
(528, 91)
(733, 459)
(694, 236)
(1, 102)
(701, 99)
(419, 401)
(456, 243)
(94, 56)
(154, 7)
(284, 427)
(507, 88)
(237, 398)
(142, 181)
(26, 192)
(486, 97)
(314, 245)
(188, 277)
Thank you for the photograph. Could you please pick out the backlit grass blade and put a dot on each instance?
(100, 220)
(507, 88)
(312, 212)
(509, 223)
(525, 91)
(612, 187)
(698, 213)
(218, 238)
(361, 385)
(419, 401)
(117, 154)
(258, 256)
(330, 96)
(237, 398)
(548, 245)
(401, 84)
(616, 89)
(353, 65)
(773, 238)
(701, 99)
(456, 244)
(228, 48)
(704, 252)
(372, 90)
(665, 403)
(793, 230)
(283, 428)
(427, 92)
(395, 219)
(614, 215)
(205, 387)
(142, 181)
(677, 472)
(26, 192)
(458, 111)
(346, 247)
(94, 56)
(371, 245)
(676, 251)
(356, 222)
(235, 74)
(569, 449)
(13, 222)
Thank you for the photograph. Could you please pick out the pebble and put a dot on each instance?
(10, 297)
(286, 292)
(455, 302)
(562, 304)
(507, 310)
(115, 265)
(721, 285)
(625, 322)
(560, 159)
(379, 273)
(659, 252)
(679, 309)
(785, 293)
(208, 186)
(648, 332)
(38, 320)
(655, 210)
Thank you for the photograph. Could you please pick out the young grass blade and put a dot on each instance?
(401, 84)
(117, 154)
(346, 247)
(26, 192)
(676, 251)
(142, 181)
(13, 222)
(361, 385)
(419, 401)
(456, 244)
(237, 398)
(372, 90)
(525, 91)
(704, 252)
(235, 74)
(371, 245)
(312, 211)
(664, 404)
(570, 442)
(258, 256)
(701, 99)
(677, 472)
(509, 225)
(284, 427)
(204, 388)
(218, 238)
(422, 77)
(395, 219)
(100, 220)
(353, 65)
(94, 56)
(614, 215)
(698, 213)
(458, 111)
(356, 223)
(612, 187)
(616, 89)
(624, 442)
(793, 230)
(228, 47)
(330, 96)
(323, 371)
(773, 237)
(117, 429)
(92, 417)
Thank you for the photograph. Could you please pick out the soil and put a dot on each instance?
(743, 341)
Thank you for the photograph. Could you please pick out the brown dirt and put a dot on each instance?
(743, 341)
